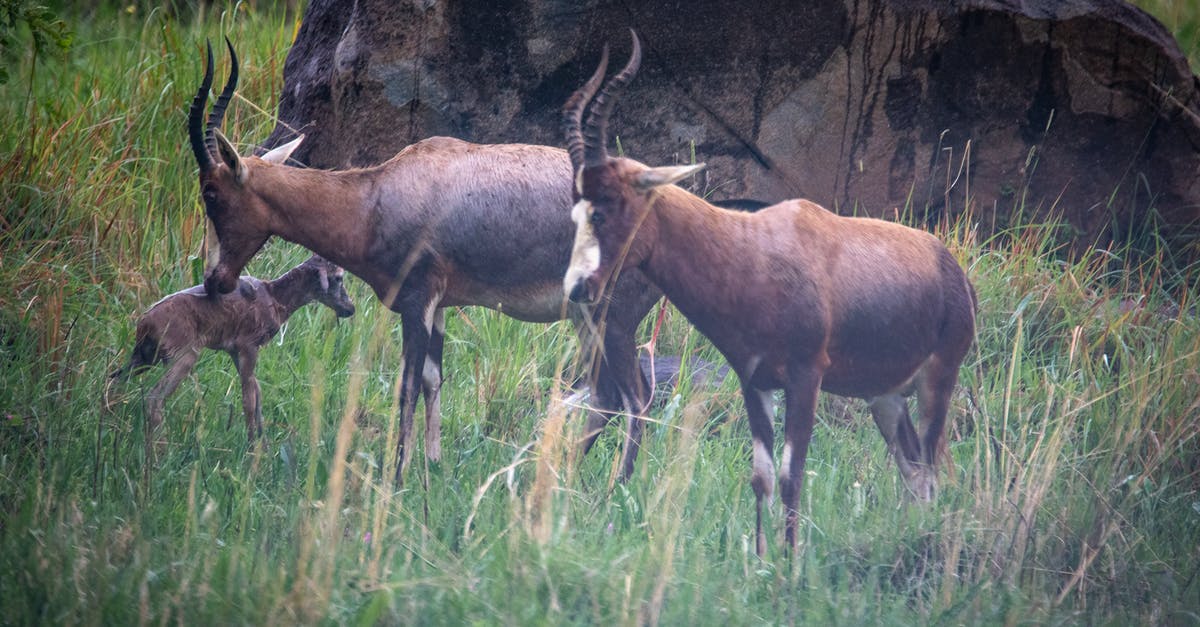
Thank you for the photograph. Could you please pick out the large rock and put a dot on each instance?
(1080, 108)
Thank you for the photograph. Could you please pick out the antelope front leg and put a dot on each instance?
(246, 361)
(603, 388)
(621, 365)
(762, 480)
(617, 384)
(801, 399)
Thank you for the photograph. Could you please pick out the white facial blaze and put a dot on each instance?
(212, 246)
(585, 256)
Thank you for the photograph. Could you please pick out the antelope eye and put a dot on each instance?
(597, 218)
(209, 193)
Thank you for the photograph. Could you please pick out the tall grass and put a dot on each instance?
(1072, 498)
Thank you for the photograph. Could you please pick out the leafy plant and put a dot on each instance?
(48, 33)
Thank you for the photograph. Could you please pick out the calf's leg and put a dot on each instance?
(246, 361)
(178, 367)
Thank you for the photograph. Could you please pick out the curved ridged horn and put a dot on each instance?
(217, 115)
(595, 134)
(196, 116)
(572, 111)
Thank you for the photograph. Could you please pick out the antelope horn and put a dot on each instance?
(196, 116)
(596, 133)
(217, 115)
(573, 112)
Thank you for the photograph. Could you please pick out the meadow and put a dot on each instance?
(1074, 494)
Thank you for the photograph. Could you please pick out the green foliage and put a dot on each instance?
(47, 33)
(1073, 496)
(1182, 18)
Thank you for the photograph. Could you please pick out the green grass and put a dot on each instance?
(1073, 496)
(1182, 18)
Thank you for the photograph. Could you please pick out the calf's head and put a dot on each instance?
(330, 288)
(613, 196)
(240, 216)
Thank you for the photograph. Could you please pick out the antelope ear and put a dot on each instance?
(280, 154)
(230, 156)
(666, 175)
(323, 275)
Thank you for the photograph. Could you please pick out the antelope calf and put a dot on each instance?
(795, 297)
(444, 223)
(177, 328)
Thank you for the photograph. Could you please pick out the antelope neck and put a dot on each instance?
(699, 252)
(324, 211)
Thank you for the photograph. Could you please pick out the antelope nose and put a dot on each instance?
(579, 293)
(215, 284)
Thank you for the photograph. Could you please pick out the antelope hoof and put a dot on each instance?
(581, 294)
(156, 450)
(921, 483)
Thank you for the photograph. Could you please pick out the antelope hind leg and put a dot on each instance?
(762, 478)
(431, 384)
(891, 416)
(801, 403)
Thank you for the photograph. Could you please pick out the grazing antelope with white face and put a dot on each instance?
(443, 223)
(177, 328)
(796, 297)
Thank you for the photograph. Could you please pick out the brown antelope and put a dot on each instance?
(443, 223)
(795, 297)
(177, 328)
